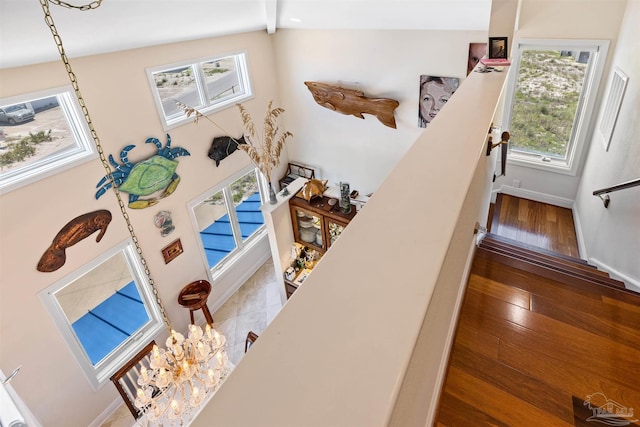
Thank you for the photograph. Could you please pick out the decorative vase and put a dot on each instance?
(345, 201)
(272, 195)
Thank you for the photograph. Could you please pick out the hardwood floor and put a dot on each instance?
(530, 350)
(534, 223)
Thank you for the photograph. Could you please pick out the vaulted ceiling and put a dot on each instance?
(126, 24)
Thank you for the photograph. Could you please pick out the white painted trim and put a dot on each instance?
(259, 258)
(536, 196)
(444, 361)
(108, 412)
(584, 120)
(630, 282)
(582, 246)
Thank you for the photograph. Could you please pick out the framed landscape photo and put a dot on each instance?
(497, 47)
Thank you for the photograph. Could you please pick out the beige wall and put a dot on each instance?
(119, 99)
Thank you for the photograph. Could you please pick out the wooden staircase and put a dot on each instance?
(549, 264)
(538, 333)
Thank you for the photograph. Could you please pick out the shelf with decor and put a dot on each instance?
(318, 223)
(304, 259)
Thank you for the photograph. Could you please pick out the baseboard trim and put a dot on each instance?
(630, 283)
(444, 361)
(109, 411)
(535, 196)
(577, 225)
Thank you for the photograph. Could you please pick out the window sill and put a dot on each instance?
(536, 162)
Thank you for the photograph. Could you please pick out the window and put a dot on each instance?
(40, 134)
(208, 85)
(105, 311)
(229, 219)
(551, 96)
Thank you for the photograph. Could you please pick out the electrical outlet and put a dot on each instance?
(516, 183)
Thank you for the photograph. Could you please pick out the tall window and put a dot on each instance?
(105, 311)
(209, 85)
(551, 98)
(229, 218)
(40, 134)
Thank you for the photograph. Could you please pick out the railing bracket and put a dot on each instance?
(605, 199)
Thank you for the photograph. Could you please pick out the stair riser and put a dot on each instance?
(543, 258)
(570, 280)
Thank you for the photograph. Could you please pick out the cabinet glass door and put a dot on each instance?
(309, 229)
(334, 229)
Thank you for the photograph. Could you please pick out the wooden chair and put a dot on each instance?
(126, 378)
(251, 338)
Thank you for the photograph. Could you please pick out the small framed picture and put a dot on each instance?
(497, 47)
(171, 251)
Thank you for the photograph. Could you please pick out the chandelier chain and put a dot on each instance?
(96, 139)
(93, 5)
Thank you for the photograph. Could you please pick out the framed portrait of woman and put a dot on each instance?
(434, 94)
(497, 47)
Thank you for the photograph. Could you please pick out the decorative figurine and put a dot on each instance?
(164, 222)
(313, 188)
(146, 177)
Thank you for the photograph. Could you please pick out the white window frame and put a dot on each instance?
(583, 125)
(205, 106)
(83, 151)
(241, 246)
(99, 374)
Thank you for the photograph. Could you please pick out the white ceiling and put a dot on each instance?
(125, 24)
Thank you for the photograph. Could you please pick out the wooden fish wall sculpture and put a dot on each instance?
(353, 102)
(74, 231)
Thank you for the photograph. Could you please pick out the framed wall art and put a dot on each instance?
(172, 250)
(497, 47)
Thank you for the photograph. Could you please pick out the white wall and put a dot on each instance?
(561, 19)
(611, 237)
(383, 64)
(119, 99)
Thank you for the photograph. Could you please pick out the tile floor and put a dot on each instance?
(250, 309)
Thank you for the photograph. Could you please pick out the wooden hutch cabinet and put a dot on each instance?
(317, 224)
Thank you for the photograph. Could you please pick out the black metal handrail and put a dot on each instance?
(605, 191)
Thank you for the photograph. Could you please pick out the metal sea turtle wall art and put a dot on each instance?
(155, 174)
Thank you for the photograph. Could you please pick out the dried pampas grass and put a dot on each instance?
(263, 151)
(266, 153)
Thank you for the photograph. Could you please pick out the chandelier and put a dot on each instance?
(181, 376)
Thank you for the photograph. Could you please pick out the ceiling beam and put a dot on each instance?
(271, 9)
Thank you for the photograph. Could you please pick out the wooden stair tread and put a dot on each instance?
(532, 256)
(517, 251)
(595, 287)
(497, 239)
